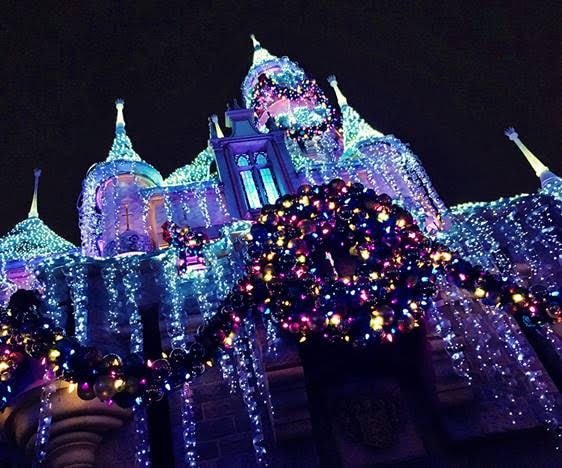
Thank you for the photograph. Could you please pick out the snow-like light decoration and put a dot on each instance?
(389, 164)
(250, 385)
(510, 233)
(99, 218)
(31, 239)
(109, 276)
(77, 277)
(189, 426)
(142, 446)
(355, 129)
(45, 418)
(199, 170)
(132, 290)
(122, 148)
(170, 287)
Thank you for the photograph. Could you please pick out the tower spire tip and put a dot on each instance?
(33, 213)
(535, 163)
(255, 42)
(342, 100)
(120, 120)
(511, 133)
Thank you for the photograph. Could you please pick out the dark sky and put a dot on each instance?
(447, 79)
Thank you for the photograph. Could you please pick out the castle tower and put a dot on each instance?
(279, 88)
(113, 208)
(387, 165)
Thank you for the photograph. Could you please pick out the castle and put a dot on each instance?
(124, 290)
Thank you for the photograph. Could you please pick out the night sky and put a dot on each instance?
(446, 79)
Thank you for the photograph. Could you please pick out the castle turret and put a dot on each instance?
(113, 207)
(278, 89)
(27, 243)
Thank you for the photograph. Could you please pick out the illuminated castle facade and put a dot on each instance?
(122, 286)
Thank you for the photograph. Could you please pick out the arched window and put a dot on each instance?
(258, 181)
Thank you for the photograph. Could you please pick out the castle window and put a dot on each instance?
(252, 194)
(257, 179)
(267, 180)
(269, 185)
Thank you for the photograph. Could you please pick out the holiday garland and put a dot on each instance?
(334, 260)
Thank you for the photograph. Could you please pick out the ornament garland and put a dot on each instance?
(336, 260)
(342, 262)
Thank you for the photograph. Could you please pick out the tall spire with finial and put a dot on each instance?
(354, 126)
(122, 147)
(542, 172)
(260, 54)
(33, 213)
(218, 129)
(120, 119)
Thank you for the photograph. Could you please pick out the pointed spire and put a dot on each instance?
(543, 173)
(539, 168)
(120, 120)
(260, 54)
(33, 213)
(255, 41)
(355, 128)
(218, 129)
(122, 147)
(342, 100)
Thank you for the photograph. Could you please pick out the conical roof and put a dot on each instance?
(32, 238)
(355, 128)
(261, 54)
(196, 171)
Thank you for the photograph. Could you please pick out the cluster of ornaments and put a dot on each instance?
(29, 343)
(269, 90)
(188, 244)
(334, 260)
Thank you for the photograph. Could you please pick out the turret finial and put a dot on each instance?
(120, 120)
(342, 100)
(33, 213)
(122, 147)
(218, 129)
(535, 163)
(255, 41)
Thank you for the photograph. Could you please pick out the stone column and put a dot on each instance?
(77, 427)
